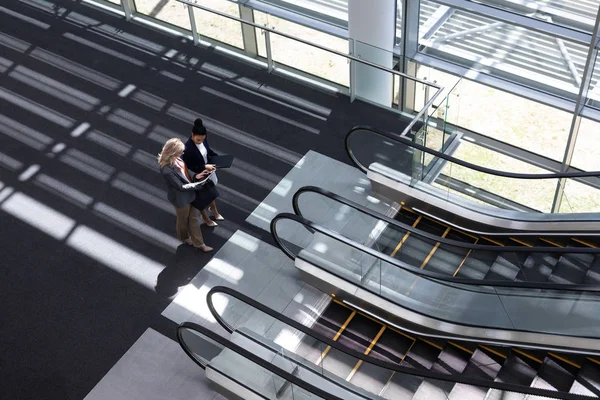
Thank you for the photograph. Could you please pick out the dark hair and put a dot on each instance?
(198, 128)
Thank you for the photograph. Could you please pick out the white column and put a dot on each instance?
(371, 28)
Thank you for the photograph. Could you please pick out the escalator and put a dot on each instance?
(339, 260)
(375, 360)
(559, 258)
(406, 171)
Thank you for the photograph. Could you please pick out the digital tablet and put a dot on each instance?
(222, 161)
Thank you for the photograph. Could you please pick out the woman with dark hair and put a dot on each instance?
(182, 185)
(196, 155)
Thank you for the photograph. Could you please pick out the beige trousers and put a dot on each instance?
(188, 224)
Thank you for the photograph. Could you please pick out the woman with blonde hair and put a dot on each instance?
(182, 184)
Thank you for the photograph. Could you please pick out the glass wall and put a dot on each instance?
(303, 57)
(169, 11)
(216, 27)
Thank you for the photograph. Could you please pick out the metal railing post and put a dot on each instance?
(195, 35)
(269, 53)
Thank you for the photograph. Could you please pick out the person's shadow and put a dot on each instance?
(186, 264)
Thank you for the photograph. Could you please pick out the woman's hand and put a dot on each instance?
(210, 167)
(202, 174)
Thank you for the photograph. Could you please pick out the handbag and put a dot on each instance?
(206, 195)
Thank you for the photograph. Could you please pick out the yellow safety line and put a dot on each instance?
(465, 259)
(493, 351)
(406, 235)
(551, 242)
(342, 304)
(492, 240)
(437, 346)
(583, 242)
(407, 209)
(366, 353)
(434, 249)
(527, 355)
(566, 360)
(336, 337)
(521, 242)
(461, 347)
(593, 360)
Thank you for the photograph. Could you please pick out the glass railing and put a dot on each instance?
(243, 373)
(454, 180)
(542, 308)
(440, 248)
(304, 348)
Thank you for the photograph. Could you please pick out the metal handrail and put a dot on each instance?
(250, 356)
(473, 246)
(410, 143)
(441, 278)
(454, 378)
(338, 53)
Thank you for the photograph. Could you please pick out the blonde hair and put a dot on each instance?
(170, 151)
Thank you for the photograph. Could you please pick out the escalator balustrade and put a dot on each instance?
(565, 268)
(568, 373)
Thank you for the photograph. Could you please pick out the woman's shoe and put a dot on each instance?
(217, 216)
(210, 222)
(204, 248)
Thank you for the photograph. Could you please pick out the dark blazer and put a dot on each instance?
(192, 156)
(179, 191)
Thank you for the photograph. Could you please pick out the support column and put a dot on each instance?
(248, 32)
(371, 29)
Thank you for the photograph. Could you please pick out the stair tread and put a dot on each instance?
(537, 267)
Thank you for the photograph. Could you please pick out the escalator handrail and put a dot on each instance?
(368, 359)
(430, 236)
(479, 168)
(250, 356)
(441, 278)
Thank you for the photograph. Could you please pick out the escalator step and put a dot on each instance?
(571, 268)
(446, 259)
(391, 346)
(477, 264)
(406, 217)
(402, 387)
(421, 355)
(451, 360)
(587, 382)
(518, 370)
(414, 250)
(483, 365)
(537, 267)
(593, 274)
(555, 375)
(332, 319)
(507, 266)
(359, 333)
(433, 389)
(590, 241)
(371, 377)
(328, 324)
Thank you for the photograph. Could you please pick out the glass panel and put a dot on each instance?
(574, 14)
(219, 28)
(303, 57)
(580, 198)
(169, 11)
(202, 348)
(587, 147)
(536, 194)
